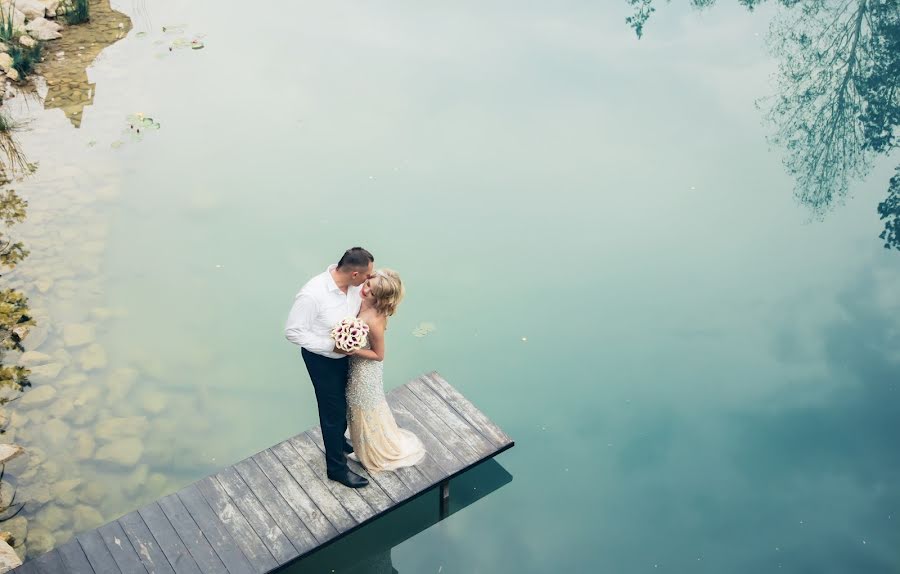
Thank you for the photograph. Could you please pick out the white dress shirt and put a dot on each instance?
(318, 307)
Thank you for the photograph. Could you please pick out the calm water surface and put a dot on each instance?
(699, 376)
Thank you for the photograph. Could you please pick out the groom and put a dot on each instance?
(319, 306)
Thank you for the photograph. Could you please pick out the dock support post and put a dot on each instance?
(445, 499)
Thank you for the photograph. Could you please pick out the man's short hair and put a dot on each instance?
(355, 258)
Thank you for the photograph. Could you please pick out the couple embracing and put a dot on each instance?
(349, 386)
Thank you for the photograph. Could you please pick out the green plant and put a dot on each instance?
(25, 58)
(7, 24)
(78, 11)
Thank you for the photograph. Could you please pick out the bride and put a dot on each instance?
(378, 443)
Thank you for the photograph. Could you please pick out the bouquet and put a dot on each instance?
(350, 334)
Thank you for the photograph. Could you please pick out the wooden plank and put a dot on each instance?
(448, 462)
(266, 511)
(349, 498)
(467, 410)
(97, 553)
(214, 531)
(169, 542)
(27, 568)
(73, 557)
(387, 489)
(241, 531)
(120, 548)
(151, 555)
(259, 519)
(276, 506)
(454, 443)
(296, 497)
(197, 544)
(459, 425)
(317, 491)
(47, 563)
(439, 462)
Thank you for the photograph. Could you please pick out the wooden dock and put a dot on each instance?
(277, 506)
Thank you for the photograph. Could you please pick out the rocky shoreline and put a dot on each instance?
(58, 348)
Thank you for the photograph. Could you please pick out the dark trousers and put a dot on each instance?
(329, 379)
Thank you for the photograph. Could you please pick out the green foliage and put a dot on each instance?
(25, 58)
(889, 210)
(15, 378)
(77, 11)
(12, 211)
(14, 316)
(7, 24)
(12, 208)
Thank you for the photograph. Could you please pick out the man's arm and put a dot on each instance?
(298, 329)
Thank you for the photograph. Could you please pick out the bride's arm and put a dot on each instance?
(376, 341)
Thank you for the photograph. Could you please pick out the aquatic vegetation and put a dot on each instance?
(423, 329)
(77, 11)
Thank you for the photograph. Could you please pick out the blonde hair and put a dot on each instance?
(387, 291)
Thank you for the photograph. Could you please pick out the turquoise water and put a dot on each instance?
(699, 376)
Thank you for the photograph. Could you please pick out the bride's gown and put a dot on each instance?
(378, 443)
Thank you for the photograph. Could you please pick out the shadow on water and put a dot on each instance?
(368, 550)
(837, 101)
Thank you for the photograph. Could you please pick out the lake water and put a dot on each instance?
(699, 375)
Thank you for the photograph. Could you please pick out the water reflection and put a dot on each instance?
(69, 88)
(368, 550)
(837, 104)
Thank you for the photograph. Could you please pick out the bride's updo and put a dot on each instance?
(387, 291)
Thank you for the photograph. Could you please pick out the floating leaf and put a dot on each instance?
(423, 329)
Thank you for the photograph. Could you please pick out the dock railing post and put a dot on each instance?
(445, 499)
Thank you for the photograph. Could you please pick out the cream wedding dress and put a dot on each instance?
(378, 443)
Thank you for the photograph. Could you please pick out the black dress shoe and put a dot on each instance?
(349, 479)
(348, 448)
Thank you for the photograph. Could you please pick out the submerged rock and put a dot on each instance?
(154, 402)
(121, 427)
(84, 446)
(40, 541)
(94, 357)
(37, 397)
(56, 432)
(86, 518)
(45, 372)
(52, 517)
(61, 408)
(31, 358)
(125, 452)
(73, 380)
(136, 480)
(93, 493)
(78, 334)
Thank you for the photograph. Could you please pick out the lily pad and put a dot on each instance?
(141, 121)
(424, 329)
